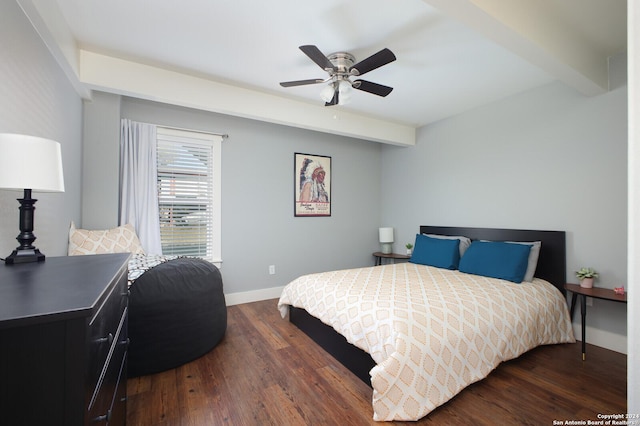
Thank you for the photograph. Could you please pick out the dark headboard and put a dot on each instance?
(552, 263)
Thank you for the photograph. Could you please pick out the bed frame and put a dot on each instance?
(551, 267)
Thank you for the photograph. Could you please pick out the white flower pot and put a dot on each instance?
(586, 283)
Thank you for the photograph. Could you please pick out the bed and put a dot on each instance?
(177, 308)
(419, 333)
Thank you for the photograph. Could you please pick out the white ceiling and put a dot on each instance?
(452, 55)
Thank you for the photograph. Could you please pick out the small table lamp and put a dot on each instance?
(386, 239)
(29, 163)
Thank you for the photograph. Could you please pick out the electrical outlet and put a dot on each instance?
(589, 301)
(272, 269)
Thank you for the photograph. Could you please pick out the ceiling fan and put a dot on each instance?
(341, 68)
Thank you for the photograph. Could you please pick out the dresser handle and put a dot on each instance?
(106, 417)
(109, 339)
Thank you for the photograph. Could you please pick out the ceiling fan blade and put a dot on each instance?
(317, 56)
(374, 61)
(334, 100)
(375, 88)
(301, 82)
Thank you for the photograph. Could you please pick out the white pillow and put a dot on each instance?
(122, 239)
(462, 246)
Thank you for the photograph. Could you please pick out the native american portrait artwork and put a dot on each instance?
(312, 187)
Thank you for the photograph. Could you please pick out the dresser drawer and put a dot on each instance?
(102, 330)
(106, 395)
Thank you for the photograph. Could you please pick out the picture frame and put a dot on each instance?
(312, 185)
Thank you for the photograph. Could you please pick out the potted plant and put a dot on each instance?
(586, 276)
(409, 246)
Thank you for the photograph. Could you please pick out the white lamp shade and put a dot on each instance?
(30, 162)
(386, 235)
(327, 93)
(345, 91)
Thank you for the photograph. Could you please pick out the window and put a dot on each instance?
(189, 199)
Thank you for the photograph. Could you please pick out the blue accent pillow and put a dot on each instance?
(441, 253)
(496, 259)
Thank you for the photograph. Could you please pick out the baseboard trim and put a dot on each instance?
(602, 338)
(253, 295)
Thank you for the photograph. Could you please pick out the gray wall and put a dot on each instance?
(37, 99)
(258, 226)
(100, 179)
(546, 159)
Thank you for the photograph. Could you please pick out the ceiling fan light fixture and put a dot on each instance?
(327, 93)
(345, 91)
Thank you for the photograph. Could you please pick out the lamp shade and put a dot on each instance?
(327, 92)
(30, 162)
(345, 91)
(386, 235)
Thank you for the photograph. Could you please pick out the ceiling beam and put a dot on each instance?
(115, 75)
(529, 29)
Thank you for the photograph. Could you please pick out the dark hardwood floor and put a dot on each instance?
(267, 372)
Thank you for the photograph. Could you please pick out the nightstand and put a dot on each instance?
(595, 292)
(394, 256)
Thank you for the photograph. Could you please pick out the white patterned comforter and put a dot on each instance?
(431, 331)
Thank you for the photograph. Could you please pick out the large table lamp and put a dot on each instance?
(29, 163)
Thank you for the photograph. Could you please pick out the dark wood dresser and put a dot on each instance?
(63, 341)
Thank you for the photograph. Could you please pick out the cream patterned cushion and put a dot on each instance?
(117, 240)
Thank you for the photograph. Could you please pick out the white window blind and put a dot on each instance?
(189, 193)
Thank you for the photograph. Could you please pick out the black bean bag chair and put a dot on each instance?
(177, 313)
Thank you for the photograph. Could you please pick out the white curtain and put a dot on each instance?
(138, 177)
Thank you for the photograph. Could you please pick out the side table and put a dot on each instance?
(583, 293)
(394, 256)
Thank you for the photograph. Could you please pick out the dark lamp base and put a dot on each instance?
(26, 252)
(25, 256)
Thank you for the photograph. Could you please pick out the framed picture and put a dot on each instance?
(312, 185)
